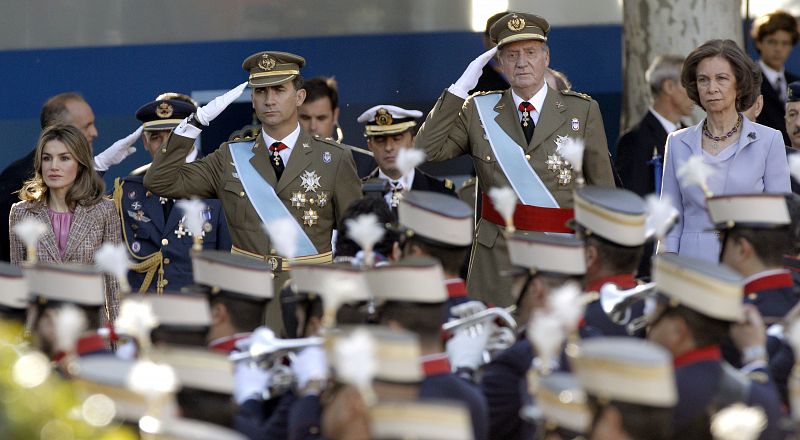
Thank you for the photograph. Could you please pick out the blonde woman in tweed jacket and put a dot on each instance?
(67, 195)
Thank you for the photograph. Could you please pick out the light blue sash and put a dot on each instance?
(263, 197)
(526, 183)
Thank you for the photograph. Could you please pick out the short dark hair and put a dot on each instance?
(617, 258)
(773, 22)
(246, 315)
(298, 82)
(346, 247)
(705, 330)
(54, 110)
(320, 87)
(423, 319)
(451, 258)
(770, 245)
(746, 71)
(638, 421)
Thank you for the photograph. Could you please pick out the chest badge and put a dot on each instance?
(138, 216)
(132, 194)
(310, 181)
(576, 125)
(310, 217)
(326, 157)
(298, 200)
(136, 246)
(137, 205)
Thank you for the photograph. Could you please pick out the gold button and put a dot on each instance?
(164, 283)
(241, 194)
(488, 157)
(164, 242)
(528, 157)
(163, 150)
(166, 260)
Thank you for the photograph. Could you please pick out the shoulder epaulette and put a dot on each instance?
(468, 182)
(331, 141)
(578, 94)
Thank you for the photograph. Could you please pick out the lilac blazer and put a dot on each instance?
(758, 165)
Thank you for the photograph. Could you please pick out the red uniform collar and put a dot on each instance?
(709, 353)
(771, 281)
(435, 364)
(87, 344)
(227, 344)
(623, 281)
(456, 288)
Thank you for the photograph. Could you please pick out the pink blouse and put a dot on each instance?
(61, 222)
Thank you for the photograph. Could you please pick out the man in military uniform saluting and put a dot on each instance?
(154, 229)
(512, 137)
(285, 175)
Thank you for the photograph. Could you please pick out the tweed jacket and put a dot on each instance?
(91, 226)
(758, 165)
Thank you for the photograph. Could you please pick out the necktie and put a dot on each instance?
(276, 160)
(780, 89)
(527, 122)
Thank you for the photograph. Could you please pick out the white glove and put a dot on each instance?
(310, 364)
(249, 382)
(500, 339)
(468, 308)
(469, 79)
(117, 152)
(208, 112)
(465, 349)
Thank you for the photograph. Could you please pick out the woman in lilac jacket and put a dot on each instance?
(745, 157)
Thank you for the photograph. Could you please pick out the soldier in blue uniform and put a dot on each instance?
(388, 130)
(612, 223)
(699, 302)
(542, 263)
(153, 228)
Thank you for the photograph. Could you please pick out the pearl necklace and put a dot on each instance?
(717, 139)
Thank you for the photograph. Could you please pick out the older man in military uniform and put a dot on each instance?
(154, 229)
(388, 130)
(512, 137)
(285, 177)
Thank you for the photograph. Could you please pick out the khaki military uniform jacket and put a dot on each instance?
(453, 128)
(214, 176)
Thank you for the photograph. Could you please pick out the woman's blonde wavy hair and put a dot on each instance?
(88, 188)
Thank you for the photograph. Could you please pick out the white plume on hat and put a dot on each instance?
(152, 380)
(136, 318)
(546, 333)
(566, 305)
(661, 215)
(29, 230)
(365, 231)
(394, 111)
(69, 324)
(505, 202)
(695, 172)
(572, 150)
(193, 212)
(112, 258)
(283, 236)
(408, 159)
(738, 422)
(355, 357)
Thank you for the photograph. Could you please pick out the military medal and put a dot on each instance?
(553, 162)
(310, 217)
(322, 199)
(298, 200)
(181, 231)
(136, 246)
(138, 216)
(397, 196)
(564, 176)
(276, 158)
(310, 181)
(137, 205)
(163, 200)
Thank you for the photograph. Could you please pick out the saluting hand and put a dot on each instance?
(469, 79)
(208, 112)
(117, 152)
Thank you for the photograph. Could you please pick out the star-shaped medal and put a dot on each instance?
(310, 181)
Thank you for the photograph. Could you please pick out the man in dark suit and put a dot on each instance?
(774, 36)
(388, 130)
(637, 146)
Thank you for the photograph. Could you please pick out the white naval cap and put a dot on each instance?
(615, 214)
(437, 218)
(231, 274)
(415, 280)
(388, 119)
(540, 252)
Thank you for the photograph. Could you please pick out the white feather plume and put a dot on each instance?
(29, 230)
(69, 324)
(794, 165)
(572, 150)
(408, 159)
(283, 236)
(355, 359)
(365, 230)
(112, 258)
(566, 305)
(504, 200)
(661, 215)
(546, 333)
(738, 422)
(152, 380)
(695, 172)
(136, 318)
(193, 213)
